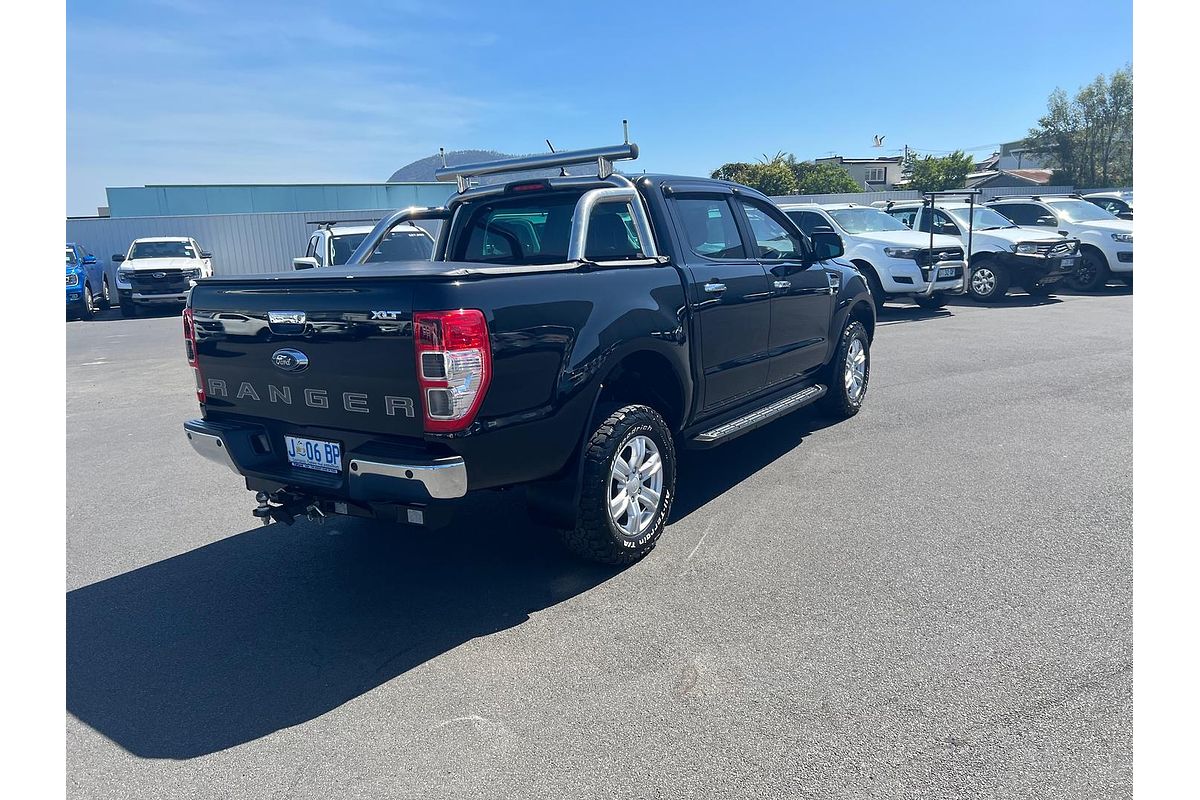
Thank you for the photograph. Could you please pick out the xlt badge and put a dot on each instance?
(290, 360)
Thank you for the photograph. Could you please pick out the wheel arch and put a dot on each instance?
(864, 312)
(647, 377)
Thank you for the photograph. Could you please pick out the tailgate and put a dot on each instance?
(330, 354)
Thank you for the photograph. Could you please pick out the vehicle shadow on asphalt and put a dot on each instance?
(114, 315)
(276, 626)
(1010, 301)
(706, 474)
(895, 315)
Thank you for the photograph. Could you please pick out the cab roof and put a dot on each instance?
(162, 239)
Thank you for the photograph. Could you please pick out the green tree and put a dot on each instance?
(933, 174)
(826, 179)
(1089, 137)
(771, 176)
(783, 174)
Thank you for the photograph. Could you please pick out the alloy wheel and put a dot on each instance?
(856, 370)
(635, 482)
(983, 282)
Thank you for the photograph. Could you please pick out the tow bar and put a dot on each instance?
(284, 506)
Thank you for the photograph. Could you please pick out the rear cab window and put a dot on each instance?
(517, 230)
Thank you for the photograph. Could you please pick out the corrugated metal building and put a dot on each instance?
(249, 228)
(195, 200)
(240, 243)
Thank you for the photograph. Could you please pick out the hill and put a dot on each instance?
(423, 169)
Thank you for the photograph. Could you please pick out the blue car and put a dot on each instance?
(87, 285)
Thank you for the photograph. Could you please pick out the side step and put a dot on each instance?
(761, 416)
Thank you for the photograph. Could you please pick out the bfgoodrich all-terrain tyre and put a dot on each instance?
(847, 375)
(628, 487)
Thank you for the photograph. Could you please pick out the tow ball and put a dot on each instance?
(283, 506)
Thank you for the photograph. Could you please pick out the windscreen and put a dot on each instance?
(1079, 211)
(402, 244)
(70, 257)
(162, 250)
(865, 220)
(518, 230)
(985, 218)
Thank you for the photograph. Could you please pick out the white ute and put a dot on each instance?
(159, 270)
(1105, 242)
(332, 244)
(895, 261)
(1003, 255)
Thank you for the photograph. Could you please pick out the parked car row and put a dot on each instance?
(1031, 243)
(155, 271)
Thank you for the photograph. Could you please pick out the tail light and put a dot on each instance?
(189, 348)
(454, 366)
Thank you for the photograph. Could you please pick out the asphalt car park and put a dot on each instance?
(931, 599)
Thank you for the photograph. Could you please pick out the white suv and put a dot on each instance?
(1002, 254)
(331, 245)
(896, 262)
(159, 270)
(1105, 242)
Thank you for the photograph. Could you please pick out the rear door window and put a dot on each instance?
(905, 215)
(709, 226)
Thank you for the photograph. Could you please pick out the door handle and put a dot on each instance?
(783, 284)
(714, 288)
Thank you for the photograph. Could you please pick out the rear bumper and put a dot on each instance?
(366, 477)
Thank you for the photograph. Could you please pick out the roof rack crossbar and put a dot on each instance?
(331, 222)
(563, 158)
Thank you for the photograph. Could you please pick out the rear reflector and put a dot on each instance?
(454, 366)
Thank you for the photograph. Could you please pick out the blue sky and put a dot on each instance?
(207, 91)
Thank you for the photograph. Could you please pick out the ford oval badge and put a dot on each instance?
(290, 360)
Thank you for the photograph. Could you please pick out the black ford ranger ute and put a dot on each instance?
(568, 335)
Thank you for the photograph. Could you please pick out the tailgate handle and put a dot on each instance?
(284, 322)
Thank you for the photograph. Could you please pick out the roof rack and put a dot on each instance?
(329, 223)
(602, 157)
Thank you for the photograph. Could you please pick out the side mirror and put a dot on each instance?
(304, 262)
(118, 258)
(827, 245)
(1048, 222)
(89, 259)
(206, 254)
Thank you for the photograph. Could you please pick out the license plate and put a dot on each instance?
(314, 454)
(946, 273)
(1068, 262)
